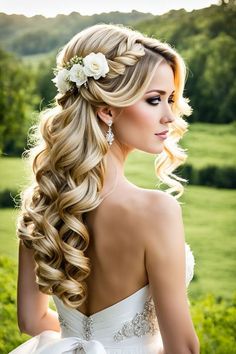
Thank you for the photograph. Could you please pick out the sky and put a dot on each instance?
(51, 8)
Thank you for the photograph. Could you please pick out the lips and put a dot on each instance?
(164, 132)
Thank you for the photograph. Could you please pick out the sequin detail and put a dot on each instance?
(88, 327)
(63, 323)
(144, 322)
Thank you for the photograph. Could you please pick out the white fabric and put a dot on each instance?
(105, 323)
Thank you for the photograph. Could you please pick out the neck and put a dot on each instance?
(115, 161)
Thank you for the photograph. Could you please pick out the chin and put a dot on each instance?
(154, 150)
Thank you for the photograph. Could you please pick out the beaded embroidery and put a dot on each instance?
(63, 323)
(87, 326)
(143, 322)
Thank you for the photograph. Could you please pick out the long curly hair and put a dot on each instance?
(68, 156)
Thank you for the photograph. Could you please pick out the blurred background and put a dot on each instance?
(204, 32)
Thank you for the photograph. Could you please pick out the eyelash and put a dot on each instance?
(150, 100)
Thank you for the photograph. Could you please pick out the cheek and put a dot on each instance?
(134, 123)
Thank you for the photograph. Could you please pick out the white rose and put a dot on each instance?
(95, 65)
(77, 75)
(61, 81)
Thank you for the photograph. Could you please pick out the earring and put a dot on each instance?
(109, 134)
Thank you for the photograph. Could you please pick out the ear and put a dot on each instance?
(107, 113)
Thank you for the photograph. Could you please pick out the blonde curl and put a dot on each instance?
(69, 154)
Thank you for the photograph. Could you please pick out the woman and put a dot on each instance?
(111, 254)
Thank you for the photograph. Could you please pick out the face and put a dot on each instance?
(137, 126)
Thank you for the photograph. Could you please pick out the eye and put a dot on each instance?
(171, 101)
(154, 100)
(157, 99)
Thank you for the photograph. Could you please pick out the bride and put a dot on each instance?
(112, 255)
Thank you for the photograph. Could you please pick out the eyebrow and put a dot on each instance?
(160, 91)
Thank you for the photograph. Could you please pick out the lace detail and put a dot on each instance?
(143, 323)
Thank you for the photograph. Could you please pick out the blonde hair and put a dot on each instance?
(68, 159)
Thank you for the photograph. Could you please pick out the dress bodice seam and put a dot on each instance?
(111, 307)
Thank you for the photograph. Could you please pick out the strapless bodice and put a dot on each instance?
(129, 326)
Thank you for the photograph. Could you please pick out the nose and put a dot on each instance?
(169, 114)
(168, 117)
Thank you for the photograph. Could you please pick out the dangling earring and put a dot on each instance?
(109, 134)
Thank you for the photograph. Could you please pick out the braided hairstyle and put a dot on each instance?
(68, 157)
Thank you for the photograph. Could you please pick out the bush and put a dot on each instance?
(215, 323)
(211, 176)
(10, 335)
(7, 198)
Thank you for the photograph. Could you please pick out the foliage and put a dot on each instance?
(7, 198)
(10, 335)
(210, 86)
(45, 87)
(215, 324)
(212, 176)
(17, 99)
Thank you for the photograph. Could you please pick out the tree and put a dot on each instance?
(218, 88)
(45, 87)
(17, 100)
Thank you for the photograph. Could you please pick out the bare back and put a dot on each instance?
(116, 248)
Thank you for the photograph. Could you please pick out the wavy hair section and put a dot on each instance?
(68, 157)
(174, 155)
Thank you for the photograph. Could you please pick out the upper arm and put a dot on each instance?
(165, 265)
(32, 304)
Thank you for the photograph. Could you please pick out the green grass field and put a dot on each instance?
(206, 144)
(210, 144)
(13, 173)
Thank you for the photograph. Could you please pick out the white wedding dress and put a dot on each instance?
(129, 326)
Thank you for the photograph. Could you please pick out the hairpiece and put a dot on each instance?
(77, 70)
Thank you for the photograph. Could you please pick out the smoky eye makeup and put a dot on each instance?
(171, 99)
(157, 99)
(154, 100)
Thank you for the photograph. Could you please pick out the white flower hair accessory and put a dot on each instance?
(78, 69)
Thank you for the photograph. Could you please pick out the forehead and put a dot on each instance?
(163, 78)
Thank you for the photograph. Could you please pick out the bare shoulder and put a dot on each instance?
(164, 224)
(165, 266)
(157, 201)
(142, 211)
(163, 202)
(154, 209)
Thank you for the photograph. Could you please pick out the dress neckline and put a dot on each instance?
(109, 308)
